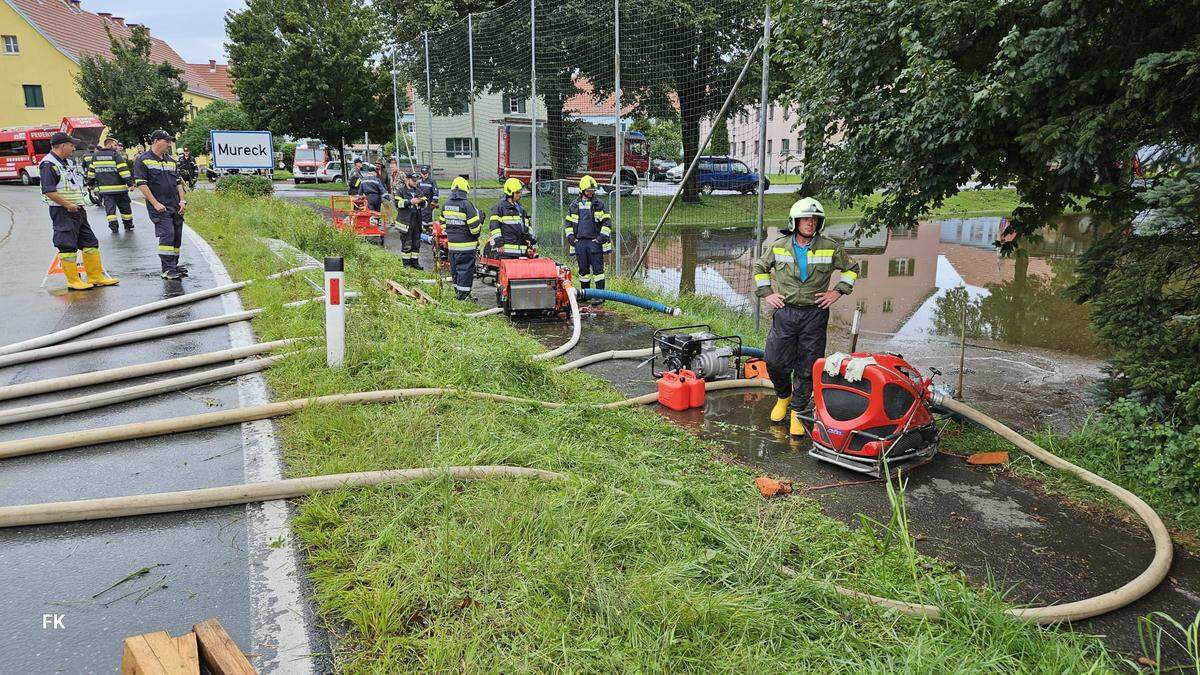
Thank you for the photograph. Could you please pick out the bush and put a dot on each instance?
(250, 185)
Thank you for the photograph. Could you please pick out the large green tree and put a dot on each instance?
(129, 92)
(219, 115)
(310, 68)
(913, 100)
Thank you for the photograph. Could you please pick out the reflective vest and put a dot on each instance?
(110, 171)
(68, 177)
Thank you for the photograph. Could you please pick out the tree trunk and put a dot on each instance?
(557, 136)
(689, 108)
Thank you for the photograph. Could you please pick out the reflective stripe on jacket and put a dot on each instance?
(63, 177)
(776, 270)
(110, 171)
(508, 227)
(462, 222)
(587, 219)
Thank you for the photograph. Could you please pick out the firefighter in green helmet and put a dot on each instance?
(793, 275)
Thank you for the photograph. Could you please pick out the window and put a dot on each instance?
(756, 150)
(705, 166)
(785, 146)
(459, 147)
(10, 45)
(606, 144)
(33, 96)
(12, 149)
(786, 113)
(743, 152)
(902, 233)
(768, 146)
(738, 167)
(771, 113)
(887, 305)
(901, 267)
(41, 147)
(862, 268)
(514, 105)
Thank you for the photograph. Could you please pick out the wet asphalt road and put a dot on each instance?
(198, 559)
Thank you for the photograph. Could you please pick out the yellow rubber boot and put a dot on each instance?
(95, 270)
(780, 410)
(71, 269)
(797, 426)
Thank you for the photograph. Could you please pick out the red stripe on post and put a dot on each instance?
(335, 291)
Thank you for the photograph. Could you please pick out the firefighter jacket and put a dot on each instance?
(587, 219)
(109, 171)
(409, 214)
(462, 222)
(160, 175)
(427, 188)
(372, 188)
(509, 228)
(799, 281)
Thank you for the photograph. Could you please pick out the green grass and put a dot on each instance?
(678, 574)
(281, 174)
(335, 186)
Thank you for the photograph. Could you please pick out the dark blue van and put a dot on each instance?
(725, 173)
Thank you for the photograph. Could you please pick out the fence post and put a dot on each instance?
(395, 111)
(429, 100)
(533, 113)
(762, 153)
(962, 349)
(335, 312)
(619, 145)
(471, 74)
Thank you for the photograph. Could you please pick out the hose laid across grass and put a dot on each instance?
(80, 380)
(636, 301)
(109, 319)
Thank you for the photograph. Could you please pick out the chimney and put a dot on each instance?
(132, 26)
(74, 3)
(107, 16)
(119, 20)
(212, 65)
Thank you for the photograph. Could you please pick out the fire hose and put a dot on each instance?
(576, 330)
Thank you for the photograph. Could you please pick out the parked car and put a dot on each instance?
(660, 167)
(329, 172)
(675, 174)
(721, 173)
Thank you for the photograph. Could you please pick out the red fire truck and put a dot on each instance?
(311, 155)
(22, 148)
(512, 156)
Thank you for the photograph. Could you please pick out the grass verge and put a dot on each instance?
(678, 574)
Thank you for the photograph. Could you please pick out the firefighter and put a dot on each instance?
(370, 185)
(62, 183)
(188, 170)
(109, 171)
(428, 189)
(793, 276)
(355, 176)
(589, 236)
(462, 222)
(156, 175)
(408, 221)
(509, 234)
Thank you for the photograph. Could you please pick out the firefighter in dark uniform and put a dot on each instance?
(509, 233)
(462, 222)
(370, 185)
(156, 175)
(793, 276)
(355, 176)
(109, 172)
(188, 170)
(428, 189)
(408, 221)
(63, 190)
(589, 236)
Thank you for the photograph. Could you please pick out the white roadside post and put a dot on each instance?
(335, 311)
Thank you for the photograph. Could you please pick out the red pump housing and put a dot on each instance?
(881, 417)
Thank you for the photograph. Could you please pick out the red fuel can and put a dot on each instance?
(672, 392)
(695, 388)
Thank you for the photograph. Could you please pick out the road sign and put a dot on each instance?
(242, 149)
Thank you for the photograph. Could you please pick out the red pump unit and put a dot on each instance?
(532, 286)
(881, 418)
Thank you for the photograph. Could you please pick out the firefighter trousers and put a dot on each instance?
(410, 244)
(462, 268)
(115, 202)
(796, 341)
(168, 227)
(590, 255)
(71, 230)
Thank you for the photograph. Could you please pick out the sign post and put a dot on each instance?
(242, 150)
(335, 312)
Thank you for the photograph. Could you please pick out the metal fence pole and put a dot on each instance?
(471, 72)
(429, 99)
(395, 111)
(762, 153)
(619, 141)
(533, 112)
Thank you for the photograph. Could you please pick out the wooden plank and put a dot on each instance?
(424, 297)
(218, 651)
(395, 287)
(154, 654)
(186, 644)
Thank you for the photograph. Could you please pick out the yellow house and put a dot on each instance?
(41, 43)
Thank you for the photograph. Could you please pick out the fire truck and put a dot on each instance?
(598, 157)
(311, 155)
(22, 148)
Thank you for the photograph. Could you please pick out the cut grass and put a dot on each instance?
(677, 574)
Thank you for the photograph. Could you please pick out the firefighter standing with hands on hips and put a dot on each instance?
(408, 204)
(462, 222)
(156, 175)
(792, 276)
(63, 189)
(508, 224)
(109, 172)
(589, 236)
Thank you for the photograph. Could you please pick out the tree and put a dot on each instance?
(1070, 101)
(309, 69)
(131, 94)
(719, 145)
(406, 21)
(216, 115)
(663, 135)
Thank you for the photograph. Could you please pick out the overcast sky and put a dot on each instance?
(194, 28)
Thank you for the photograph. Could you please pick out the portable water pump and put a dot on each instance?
(532, 286)
(871, 420)
(708, 355)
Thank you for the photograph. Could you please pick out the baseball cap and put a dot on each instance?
(424, 168)
(160, 135)
(59, 138)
